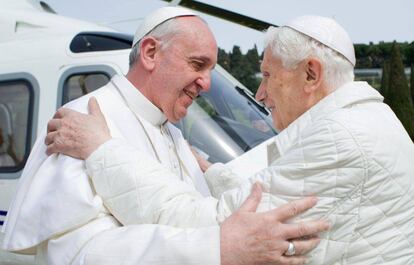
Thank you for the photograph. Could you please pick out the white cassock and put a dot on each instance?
(350, 150)
(57, 215)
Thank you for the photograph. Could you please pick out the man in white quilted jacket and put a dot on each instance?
(337, 140)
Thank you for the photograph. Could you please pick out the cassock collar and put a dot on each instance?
(137, 102)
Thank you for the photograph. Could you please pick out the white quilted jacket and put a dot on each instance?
(350, 150)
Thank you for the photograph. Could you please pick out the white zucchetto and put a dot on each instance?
(156, 18)
(326, 31)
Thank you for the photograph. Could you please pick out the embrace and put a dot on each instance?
(120, 185)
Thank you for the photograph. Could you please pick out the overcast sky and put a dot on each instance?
(365, 20)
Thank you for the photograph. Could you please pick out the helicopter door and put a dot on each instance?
(16, 117)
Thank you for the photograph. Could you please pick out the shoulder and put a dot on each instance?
(369, 123)
(103, 95)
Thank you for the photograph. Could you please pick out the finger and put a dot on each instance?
(252, 202)
(50, 137)
(293, 208)
(61, 112)
(93, 107)
(304, 229)
(292, 260)
(303, 246)
(195, 153)
(53, 125)
(51, 149)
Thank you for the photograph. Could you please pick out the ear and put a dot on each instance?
(314, 74)
(149, 48)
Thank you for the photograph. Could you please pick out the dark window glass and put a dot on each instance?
(225, 122)
(16, 101)
(81, 84)
(95, 41)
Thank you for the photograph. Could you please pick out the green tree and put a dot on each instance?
(252, 57)
(223, 59)
(409, 53)
(398, 94)
(373, 55)
(363, 59)
(238, 65)
(385, 80)
(412, 82)
(253, 61)
(242, 70)
(236, 58)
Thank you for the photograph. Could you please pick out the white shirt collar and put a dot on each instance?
(137, 102)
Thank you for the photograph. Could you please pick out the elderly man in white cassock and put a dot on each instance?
(57, 214)
(337, 141)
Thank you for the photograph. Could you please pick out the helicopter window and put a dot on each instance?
(96, 41)
(16, 99)
(81, 84)
(223, 123)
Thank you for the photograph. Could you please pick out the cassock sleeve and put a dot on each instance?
(149, 245)
(138, 190)
(220, 178)
(53, 196)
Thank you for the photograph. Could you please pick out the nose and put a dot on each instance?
(204, 80)
(261, 93)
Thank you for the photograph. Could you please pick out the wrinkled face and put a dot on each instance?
(281, 90)
(184, 68)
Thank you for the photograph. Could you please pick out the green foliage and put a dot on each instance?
(223, 59)
(412, 82)
(385, 81)
(396, 91)
(243, 67)
(253, 59)
(409, 53)
(238, 63)
(373, 55)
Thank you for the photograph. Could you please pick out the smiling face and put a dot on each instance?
(183, 68)
(282, 90)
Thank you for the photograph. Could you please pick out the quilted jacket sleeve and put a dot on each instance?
(138, 190)
(219, 179)
(324, 161)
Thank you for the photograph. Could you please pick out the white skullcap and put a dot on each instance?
(156, 18)
(327, 32)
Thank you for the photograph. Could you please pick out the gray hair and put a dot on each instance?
(163, 32)
(292, 47)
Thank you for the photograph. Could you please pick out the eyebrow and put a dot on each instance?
(201, 58)
(205, 59)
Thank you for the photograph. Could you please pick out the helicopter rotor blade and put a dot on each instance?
(224, 14)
